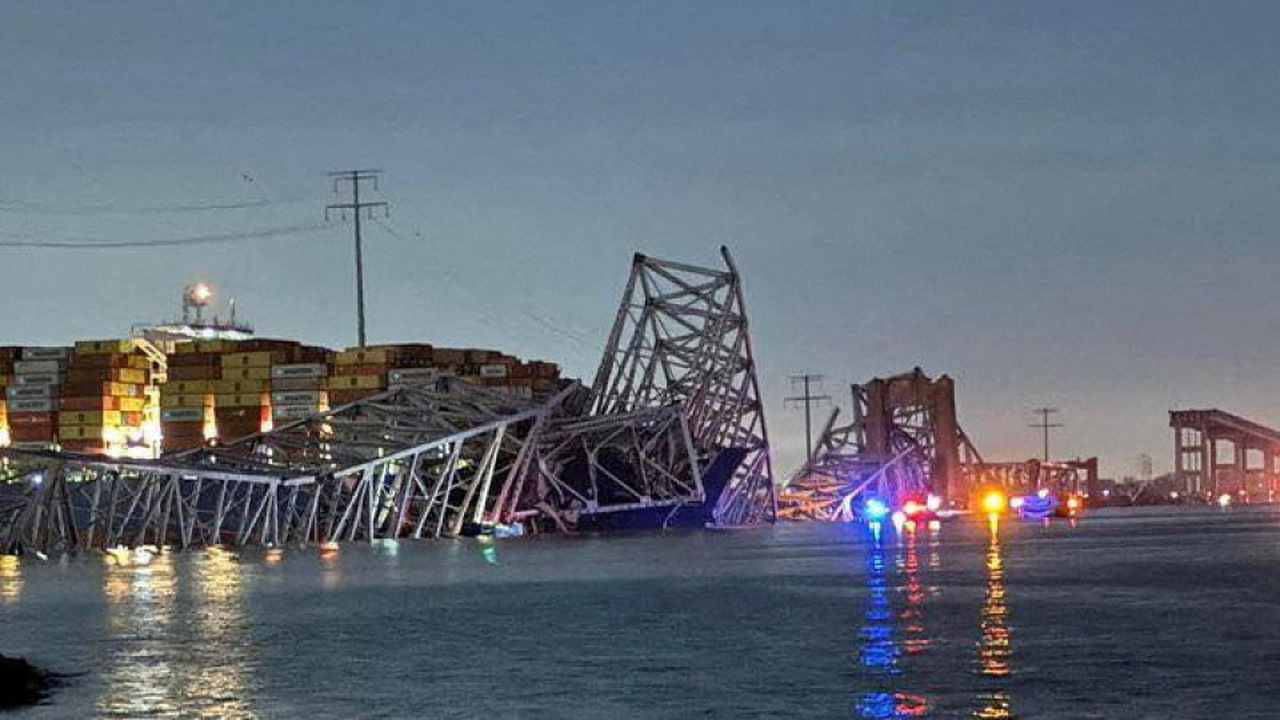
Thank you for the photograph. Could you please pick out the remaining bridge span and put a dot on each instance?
(904, 441)
(1218, 453)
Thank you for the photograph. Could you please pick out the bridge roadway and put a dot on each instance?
(1201, 440)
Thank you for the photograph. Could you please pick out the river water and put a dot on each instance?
(1164, 614)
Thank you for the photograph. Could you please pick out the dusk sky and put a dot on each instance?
(1069, 204)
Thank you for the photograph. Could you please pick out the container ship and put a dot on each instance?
(200, 380)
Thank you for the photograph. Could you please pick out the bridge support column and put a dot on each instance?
(1269, 473)
(1210, 488)
(1240, 456)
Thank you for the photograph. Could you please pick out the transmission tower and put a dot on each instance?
(807, 400)
(355, 178)
(1045, 425)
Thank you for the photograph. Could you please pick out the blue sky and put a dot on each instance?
(1069, 204)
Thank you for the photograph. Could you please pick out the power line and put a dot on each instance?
(568, 333)
(166, 242)
(354, 178)
(807, 399)
(1045, 425)
(11, 205)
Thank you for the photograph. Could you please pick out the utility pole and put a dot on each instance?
(354, 178)
(807, 399)
(1045, 425)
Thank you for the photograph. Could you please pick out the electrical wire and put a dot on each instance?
(567, 333)
(10, 205)
(166, 242)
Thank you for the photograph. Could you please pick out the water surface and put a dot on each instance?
(1128, 614)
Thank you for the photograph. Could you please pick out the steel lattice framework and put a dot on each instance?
(681, 339)
(417, 461)
(903, 441)
(675, 402)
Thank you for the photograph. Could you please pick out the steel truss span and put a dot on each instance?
(672, 422)
(681, 339)
(414, 462)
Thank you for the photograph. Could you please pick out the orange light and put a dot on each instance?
(994, 502)
(1073, 503)
(911, 507)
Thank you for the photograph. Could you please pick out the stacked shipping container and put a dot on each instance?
(358, 373)
(298, 390)
(186, 399)
(7, 356)
(224, 389)
(32, 396)
(104, 399)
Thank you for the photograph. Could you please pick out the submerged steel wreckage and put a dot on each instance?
(671, 430)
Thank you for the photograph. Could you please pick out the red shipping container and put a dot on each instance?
(196, 359)
(343, 397)
(31, 433)
(33, 418)
(194, 372)
(90, 403)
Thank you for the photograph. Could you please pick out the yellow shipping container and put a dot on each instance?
(118, 389)
(88, 417)
(357, 382)
(5, 380)
(103, 347)
(109, 433)
(372, 356)
(169, 400)
(187, 387)
(236, 387)
(133, 404)
(240, 400)
(247, 373)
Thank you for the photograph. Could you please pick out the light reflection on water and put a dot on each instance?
(183, 651)
(10, 579)
(995, 649)
(1045, 622)
(881, 652)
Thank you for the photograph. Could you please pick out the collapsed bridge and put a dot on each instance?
(671, 430)
(904, 441)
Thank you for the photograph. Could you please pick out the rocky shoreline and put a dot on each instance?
(21, 683)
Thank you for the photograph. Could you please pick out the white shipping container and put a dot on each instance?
(30, 367)
(45, 353)
(300, 370)
(182, 414)
(293, 412)
(36, 405)
(27, 392)
(493, 370)
(297, 383)
(311, 398)
(520, 393)
(39, 379)
(410, 375)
